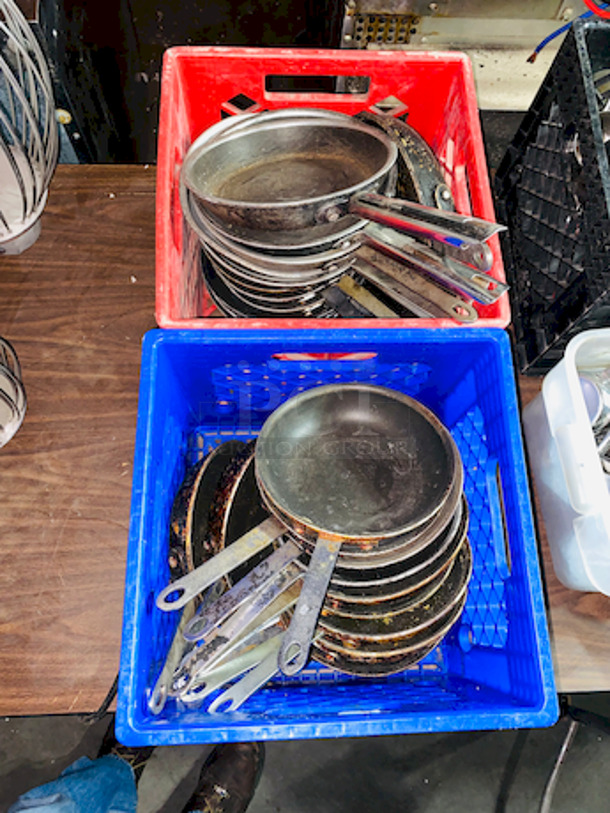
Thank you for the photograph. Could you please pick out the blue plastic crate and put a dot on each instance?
(493, 670)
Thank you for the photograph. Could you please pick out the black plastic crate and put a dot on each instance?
(553, 192)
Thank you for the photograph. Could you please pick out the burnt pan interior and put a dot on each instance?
(287, 162)
(188, 527)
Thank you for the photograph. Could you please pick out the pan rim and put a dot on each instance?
(396, 395)
(374, 669)
(437, 630)
(281, 206)
(223, 300)
(450, 593)
(403, 586)
(457, 526)
(294, 263)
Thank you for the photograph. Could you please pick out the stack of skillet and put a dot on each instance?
(289, 207)
(356, 492)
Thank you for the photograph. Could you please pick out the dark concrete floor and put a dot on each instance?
(35, 750)
(478, 772)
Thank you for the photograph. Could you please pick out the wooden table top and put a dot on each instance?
(76, 305)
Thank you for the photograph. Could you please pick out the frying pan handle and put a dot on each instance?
(411, 289)
(178, 647)
(294, 651)
(453, 274)
(223, 673)
(257, 580)
(233, 697)
(156, 701)
(181, 591)
(462, 235)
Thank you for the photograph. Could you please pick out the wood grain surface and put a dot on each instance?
(76, 305)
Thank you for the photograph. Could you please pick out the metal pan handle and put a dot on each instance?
(223, 673)
(233, 697)
(411, 289)
(181, 591)
(464, 233)
(451, 273)
(256, 581)
(160, 693)
(297, 641)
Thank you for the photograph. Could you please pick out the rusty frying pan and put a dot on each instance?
(343, 464)
(386, 630)
(306, 174)
(189, 542)
(190, 546)
(393, 660)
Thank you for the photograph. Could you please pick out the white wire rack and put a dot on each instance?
(28, 131)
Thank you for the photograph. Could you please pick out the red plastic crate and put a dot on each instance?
(200, 85)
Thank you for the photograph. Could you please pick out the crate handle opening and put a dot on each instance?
(499, 527)
(332, 85)
(355, 356)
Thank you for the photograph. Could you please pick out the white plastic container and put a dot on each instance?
(571, 483)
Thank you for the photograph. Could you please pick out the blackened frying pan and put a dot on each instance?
(342, 464)
(359, 632)
(189, 542)
(231, 512)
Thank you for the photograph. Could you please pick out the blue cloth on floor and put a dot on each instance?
(104, 785)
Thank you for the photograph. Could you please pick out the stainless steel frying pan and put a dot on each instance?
(237, 307)
(295, 270)
(305, 173)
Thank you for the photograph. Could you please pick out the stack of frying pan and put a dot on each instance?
(350, 502)
(292, 211)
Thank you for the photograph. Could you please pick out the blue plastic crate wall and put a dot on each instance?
(206, 393)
